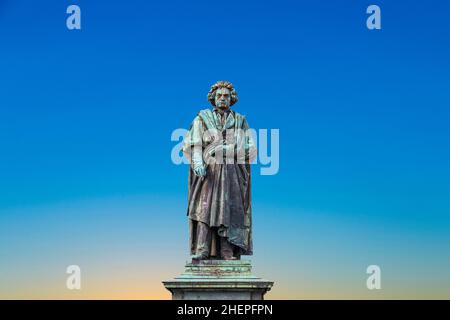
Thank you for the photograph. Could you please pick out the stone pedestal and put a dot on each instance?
(218, 280)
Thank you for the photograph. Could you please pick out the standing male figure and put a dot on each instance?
(220, 149)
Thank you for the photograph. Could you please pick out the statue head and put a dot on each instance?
(222, 95)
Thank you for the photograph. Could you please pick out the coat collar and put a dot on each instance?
(229, 122)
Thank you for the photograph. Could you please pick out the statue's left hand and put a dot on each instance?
(200, 171)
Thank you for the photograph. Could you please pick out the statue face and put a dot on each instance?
(223, 98)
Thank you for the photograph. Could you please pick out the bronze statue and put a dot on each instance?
(220, 149)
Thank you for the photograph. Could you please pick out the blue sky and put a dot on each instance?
(86, 118)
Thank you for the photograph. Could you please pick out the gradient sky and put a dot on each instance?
(86, 116)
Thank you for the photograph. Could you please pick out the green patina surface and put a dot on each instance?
(204, 274)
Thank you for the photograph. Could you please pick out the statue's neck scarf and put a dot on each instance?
(213, 120)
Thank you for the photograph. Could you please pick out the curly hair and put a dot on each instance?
(222, 84)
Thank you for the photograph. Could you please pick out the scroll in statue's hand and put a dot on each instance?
(221, 149)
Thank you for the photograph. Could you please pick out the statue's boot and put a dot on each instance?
(229, 258)
(203, 242)
(202, 253)
(199, 256)
(226, 249)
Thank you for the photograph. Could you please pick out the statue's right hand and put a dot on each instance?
(200, 171)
